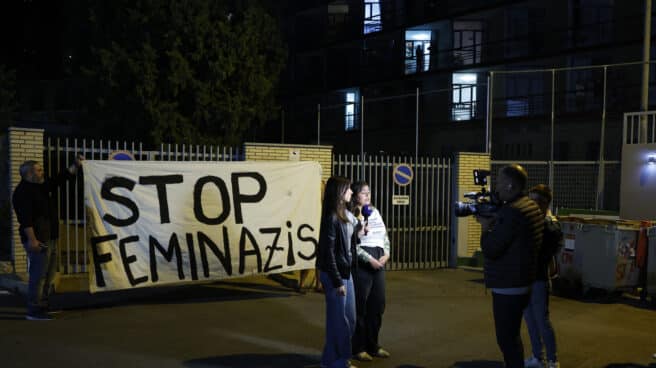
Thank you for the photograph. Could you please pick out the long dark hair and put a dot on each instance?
(333, 197)
(356, 188)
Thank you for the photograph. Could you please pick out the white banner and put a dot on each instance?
(161, 223)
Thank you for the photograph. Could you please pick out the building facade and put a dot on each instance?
(389, 51)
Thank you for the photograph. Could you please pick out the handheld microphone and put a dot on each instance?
(366, 212)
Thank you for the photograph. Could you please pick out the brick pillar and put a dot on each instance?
(466, 231)
(292, 152)
(24, 144)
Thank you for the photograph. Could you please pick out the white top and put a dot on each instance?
(376, 236)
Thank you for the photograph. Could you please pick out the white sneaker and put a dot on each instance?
(533, 362)
(552, 364)
(39, 317)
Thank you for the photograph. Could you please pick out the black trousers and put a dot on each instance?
(508, 311)
(369, 304)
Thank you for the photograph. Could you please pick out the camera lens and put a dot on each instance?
(463, 209)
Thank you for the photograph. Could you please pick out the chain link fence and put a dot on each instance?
(567, 119)
(575, 184)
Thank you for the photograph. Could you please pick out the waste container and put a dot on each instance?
(569, 258)
(651, 262)
(610, 249)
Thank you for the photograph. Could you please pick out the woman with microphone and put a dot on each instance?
(373, 252)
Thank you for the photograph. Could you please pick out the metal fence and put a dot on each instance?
(419, 230)
(60, 153)
(563, 113)
(566, 122)
(639, 127)
(575, 184)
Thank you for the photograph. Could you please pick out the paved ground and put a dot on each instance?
(434, 319)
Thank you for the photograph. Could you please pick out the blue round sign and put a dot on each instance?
(403, 174)
(121, 156)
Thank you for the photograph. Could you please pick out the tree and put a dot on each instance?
(7, 97)
(7, 108)
(184, 70)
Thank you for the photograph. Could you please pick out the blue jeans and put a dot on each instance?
(340, 323)
(537, 320)
(41, 271)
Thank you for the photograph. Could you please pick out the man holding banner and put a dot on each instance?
(34, 202)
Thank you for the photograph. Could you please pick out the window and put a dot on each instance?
(525, 31)
(524, 94)
(464, 96)
(337, 14)
(372, 19)
(350, 116)
(591, 22)
(518, 27)
(417, 51)
(467, 42)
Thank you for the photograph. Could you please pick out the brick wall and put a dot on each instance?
(24, 144)
(5, 218)
(290, 152)
(467, 232)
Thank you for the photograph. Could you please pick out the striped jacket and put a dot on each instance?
(512, 244)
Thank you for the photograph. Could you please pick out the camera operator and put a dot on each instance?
(510, 240)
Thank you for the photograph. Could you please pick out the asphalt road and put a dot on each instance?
(436, 318)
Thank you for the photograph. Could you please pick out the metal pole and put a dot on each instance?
(553, 117)
(646, 50)
(602, 165)
(417, 127)
(362, 137)
(318, 124)
(488, 121)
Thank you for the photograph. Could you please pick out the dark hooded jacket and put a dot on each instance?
(511, 246)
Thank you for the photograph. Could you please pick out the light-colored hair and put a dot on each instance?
(26, 168)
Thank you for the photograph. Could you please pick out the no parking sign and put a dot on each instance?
(402, 174)
(121, 156)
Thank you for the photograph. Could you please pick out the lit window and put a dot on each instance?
(349, 113)
(464, 96)
(417, 51)
(372, 20)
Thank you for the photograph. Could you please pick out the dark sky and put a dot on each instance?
(49, 39)
(38, 36)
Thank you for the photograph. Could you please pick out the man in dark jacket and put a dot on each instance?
(34, 202)
(510, 241)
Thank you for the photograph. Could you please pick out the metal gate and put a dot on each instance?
(60, 153)
(419, 231)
